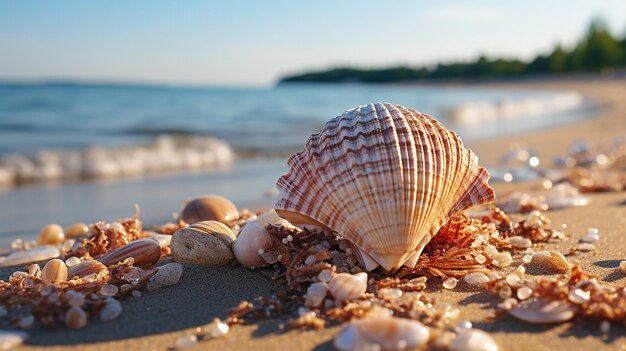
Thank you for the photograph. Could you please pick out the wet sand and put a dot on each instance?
(154, 321)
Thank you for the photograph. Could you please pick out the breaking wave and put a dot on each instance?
(472, 113)
(164, 154)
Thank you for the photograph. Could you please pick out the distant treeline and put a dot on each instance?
(597, 51)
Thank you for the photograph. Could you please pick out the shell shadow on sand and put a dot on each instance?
(201, 295)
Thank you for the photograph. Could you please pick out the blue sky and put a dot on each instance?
(255, 42)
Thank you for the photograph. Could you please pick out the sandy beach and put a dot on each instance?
(155, 320)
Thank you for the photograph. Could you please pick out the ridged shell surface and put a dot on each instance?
(384, 176)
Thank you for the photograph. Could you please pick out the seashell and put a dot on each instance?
(549, 262)
(346, 286)
(54, 272)
(251, 243)
(473, 340)
(145, 252)
(204, 243)
(382, 333)
(52, 234)
(384, 176)
(36, 254)
(76, 229)
(540, 311)
(86, 268)
(209, 208)
(167, 275)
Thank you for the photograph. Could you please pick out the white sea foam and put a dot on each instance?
(165, 153)
(481, 112)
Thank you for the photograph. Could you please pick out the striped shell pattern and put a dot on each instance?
(384, 176)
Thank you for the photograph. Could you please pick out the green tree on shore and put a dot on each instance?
(596, 51)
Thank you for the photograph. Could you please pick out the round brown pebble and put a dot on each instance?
(76, 229)
(52, 234)
(203, 243)
(209, 208)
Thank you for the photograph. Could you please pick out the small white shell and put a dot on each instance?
(473, 340)
(315, 294)
(386, 333)
(345, 286)
(541, 311)
(250, 240)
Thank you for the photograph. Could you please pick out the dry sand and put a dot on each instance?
(154, 321)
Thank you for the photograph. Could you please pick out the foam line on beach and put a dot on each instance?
(473, 113)
(164, 154)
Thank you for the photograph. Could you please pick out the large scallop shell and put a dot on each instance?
(384, 176)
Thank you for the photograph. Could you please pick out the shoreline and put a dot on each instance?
(157, 319)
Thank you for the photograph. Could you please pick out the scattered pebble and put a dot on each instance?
(186, 341)
(216, 329)
(26, 322)
(480, 258)
(508, 303)
(450, 283)
(108, 290)
(389, 293)
(325, 275)
(518, 242)
(579, 296)
(76, 318)
(512, 278)
(502, 259)
(476, 278)
(315, 294)
(9, 339)
(591, 236)
(72, 261)
(527, 258)
(605, 327)
(524, 292)
(111, 310)
(473, 340)
(167, 275)
(550, 262)
(462, 326)
(74, 298)
(585, 247)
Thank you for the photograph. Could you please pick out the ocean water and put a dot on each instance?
(59, 132)
(74, 116)
(80, 152)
